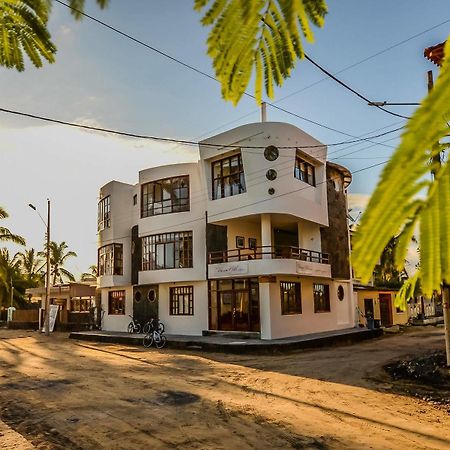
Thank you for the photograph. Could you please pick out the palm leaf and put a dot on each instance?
(404, 177)
(260, 37)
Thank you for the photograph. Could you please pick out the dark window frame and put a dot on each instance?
(110, 260)
(292, 292)
(116, 303)
(231, 183)
(304, 170)
(104, 213)
(178, 306)
(321, 294)
(178, 245)
(154, 202)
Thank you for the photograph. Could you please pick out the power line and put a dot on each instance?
(174, 140)
(346, 86)
(357, 63)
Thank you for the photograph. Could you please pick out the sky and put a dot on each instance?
(101, 78)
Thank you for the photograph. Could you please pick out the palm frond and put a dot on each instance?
(77, 7)
(260, 37)
(391, 205)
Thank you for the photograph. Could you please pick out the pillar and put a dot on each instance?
(266, 235)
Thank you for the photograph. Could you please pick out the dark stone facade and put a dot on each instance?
(335, 238)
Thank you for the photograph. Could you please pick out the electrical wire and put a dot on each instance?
(346, 86)
(174, 140)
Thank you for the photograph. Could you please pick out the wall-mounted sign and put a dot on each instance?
(238, 268)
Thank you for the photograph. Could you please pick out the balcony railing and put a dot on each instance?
(268, 252)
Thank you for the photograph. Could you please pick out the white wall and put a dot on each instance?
(292, 196)
(189, 325)
(117, 322)
(308, 322)
(309, 236)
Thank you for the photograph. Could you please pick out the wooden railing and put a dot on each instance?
(268, 252)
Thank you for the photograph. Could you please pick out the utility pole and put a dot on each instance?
(47, 283)
(12, 293)
(445, 289)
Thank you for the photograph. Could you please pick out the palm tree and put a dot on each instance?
(88, 276)
(23, 29)
(29, 266)
(58, 257)
(11, 279)
(6, 235)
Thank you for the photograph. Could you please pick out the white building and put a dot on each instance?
(251, 238)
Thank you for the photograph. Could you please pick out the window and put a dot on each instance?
(304, 171)
(182, 301)
(166, 196)
(81, 304)
(134, 199)
(291, 299)
(116, 302)
(167, 251)
(110, 260)
(228, 177)
(104, 213)
(321, 298)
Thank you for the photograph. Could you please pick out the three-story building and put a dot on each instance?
(251, 238)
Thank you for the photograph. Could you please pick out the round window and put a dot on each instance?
(340, 293)
(137, 296)
(271, 174)
(271, 191)
(271, 153)
(151, 296)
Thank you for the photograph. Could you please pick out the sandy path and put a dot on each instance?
(66, 394)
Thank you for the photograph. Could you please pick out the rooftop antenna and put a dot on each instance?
(263, 112)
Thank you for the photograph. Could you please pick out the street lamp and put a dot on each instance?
(47, 277)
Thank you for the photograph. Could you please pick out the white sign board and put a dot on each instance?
(11, 310)
(238, 268)
(52, 316)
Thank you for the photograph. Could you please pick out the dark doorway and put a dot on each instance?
(145, 303)
(285, 238)
(234, 305)
(385, 309)
(368, 308)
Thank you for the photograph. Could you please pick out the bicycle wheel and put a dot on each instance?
(161, 327)
(146, 328)
(130, 327)
(161, 342)
(137, 328)
(148, 340)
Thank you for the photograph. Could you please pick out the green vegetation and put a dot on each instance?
(58, 257)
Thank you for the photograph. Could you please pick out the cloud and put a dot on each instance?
(65, 30)
(358, 201)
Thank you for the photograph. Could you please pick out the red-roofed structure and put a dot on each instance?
(435, 54)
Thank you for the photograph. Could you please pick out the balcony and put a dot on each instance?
(268, 260)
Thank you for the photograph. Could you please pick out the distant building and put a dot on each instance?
(251, 238)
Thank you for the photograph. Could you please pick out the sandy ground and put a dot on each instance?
(57, 393)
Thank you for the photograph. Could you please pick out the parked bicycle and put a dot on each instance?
(155, 335)
(134, 326)
(148, 326)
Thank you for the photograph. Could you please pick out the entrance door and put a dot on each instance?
(368, 307)
(237, 304)
(145, 303)
(385, 309)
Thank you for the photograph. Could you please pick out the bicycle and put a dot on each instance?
(134, 326)
(148, 326)
(154, 335)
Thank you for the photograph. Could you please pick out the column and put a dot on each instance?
(264, 311)
(266, 235)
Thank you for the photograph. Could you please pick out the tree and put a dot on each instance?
(58, 257)
(386, 273)
(5, 234)
(23, 29)
(261, 37)
(29, 266)
(396, 209)
(91, 275)
(11, 279)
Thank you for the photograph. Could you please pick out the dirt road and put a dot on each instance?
(62, 394)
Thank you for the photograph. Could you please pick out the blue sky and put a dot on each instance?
(104, 79)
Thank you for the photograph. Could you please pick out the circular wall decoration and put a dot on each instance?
(340, 293)
(271, 153)
(151, 296)
(271, 174)
(137, 296)
(271, 191)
